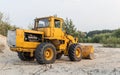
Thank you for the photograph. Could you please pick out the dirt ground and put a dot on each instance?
(106, 62)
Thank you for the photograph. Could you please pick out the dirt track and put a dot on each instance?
(106, 62)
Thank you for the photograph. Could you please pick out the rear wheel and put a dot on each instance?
(45, 53)
(25, 56)
(75, 52)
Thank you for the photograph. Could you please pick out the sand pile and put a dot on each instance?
(3, 44)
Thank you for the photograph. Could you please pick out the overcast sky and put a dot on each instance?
(87, 15)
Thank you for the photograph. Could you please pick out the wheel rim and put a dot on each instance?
(48, 53)
(78, 52)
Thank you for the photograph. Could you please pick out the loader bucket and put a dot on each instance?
(87, 51)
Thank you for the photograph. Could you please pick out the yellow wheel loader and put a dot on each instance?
(47, 42)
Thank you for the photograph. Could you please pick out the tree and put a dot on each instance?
(116, 33)
(69, 27)
(30, 26)
(5, 26)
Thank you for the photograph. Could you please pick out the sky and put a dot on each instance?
(87, 15)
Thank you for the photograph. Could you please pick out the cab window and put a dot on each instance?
(57, 23)
(43, 23)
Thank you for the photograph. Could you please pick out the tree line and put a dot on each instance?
(110, 39)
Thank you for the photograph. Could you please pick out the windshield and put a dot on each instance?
(43, 23)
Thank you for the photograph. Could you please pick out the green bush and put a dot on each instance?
(116, 33)
(99, 38)
(108, 39)
(111, 42)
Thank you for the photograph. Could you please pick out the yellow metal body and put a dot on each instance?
(50, 33)
(20, 43)
(87, 50)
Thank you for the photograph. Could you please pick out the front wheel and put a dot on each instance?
(75, 52)
(45, 53)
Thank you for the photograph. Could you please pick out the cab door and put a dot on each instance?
(58, 33)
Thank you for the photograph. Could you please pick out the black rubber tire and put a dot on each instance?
(59, 55)
(39, 53)
(71, 52)
(25, 56)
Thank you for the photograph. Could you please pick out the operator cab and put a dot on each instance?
(51, 26)
(45, 22)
